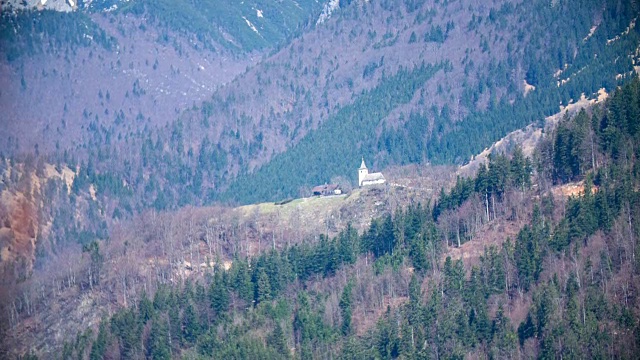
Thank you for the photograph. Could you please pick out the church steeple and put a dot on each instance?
(362, 166)
(362, 172)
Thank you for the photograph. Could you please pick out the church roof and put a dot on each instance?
(373, 177)
(362, 166)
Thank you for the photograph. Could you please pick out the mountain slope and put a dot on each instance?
(150, 110)
(126, 68)
(358, 84)
(491, 54)
(477, 100)
(535, 274)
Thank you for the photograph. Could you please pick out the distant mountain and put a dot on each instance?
(244, 25)
(191, 113)
(115, 61)
(530, 256)
(120, 119)
(498, 68)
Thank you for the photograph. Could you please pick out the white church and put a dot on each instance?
(365, 178)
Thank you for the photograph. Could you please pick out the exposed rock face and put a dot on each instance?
(21, 226)
(18, 225)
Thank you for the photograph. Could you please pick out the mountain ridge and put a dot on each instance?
(197, 233)
(159, 119)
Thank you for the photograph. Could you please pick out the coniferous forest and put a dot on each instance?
(160, 160)
(563, 287)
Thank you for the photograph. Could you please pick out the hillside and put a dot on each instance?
(467, 104)
(505, 263)
(335, 87)
(153, 246)
(157, 160)
(124, 66)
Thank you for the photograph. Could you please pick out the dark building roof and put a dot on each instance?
(326, 189)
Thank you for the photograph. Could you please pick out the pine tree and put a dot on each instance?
(100, 344)
(347, 241)
(454, 277)
(387, 338)
(242, 280)
(263, 288)
(175, 325)
(145, 308)
(345, 308)
(219, 294)
(526, 329)
(190, 324)
(127, 328)
(161, 298)
(159, 339)
(520, 169)
(278, 341)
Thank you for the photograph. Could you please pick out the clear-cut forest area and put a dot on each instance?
(158, 160)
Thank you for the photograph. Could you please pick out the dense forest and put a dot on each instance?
(431, 134)
(25, 33)
(406, 110)
(285, 20)
(134, 132)
(562, 287)
(63, 32)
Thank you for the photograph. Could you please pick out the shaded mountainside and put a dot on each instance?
(501, 265)
(103, 71)
(239, 26)
(127, 68)
(475, 100)
(120, 124)
(469, 65)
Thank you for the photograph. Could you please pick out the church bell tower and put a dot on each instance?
(362, 172)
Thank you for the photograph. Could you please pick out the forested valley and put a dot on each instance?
(563, 286)
(411, 90)
(158, 161)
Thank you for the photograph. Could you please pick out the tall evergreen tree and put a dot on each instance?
(159, 339)
(190, 324)
(100, 344)
(345, 308)
(263, 288)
